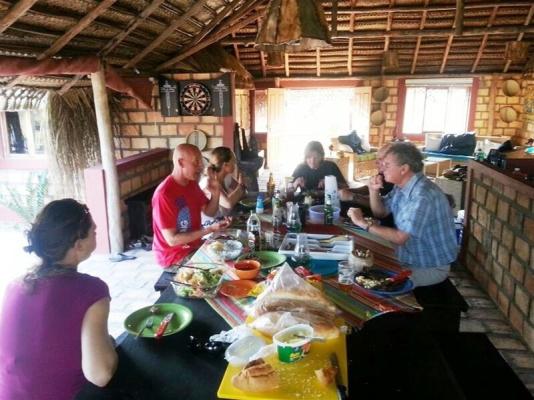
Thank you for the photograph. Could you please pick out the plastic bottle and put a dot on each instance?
(270, 185)
(278, 212)
(480, 155)
(259, 204)
(254, 227)
(328, 212)
(293, 218)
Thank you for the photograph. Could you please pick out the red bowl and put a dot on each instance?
(247, 269)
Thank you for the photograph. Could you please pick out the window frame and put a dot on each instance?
(474, 86)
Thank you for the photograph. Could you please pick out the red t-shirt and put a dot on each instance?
(175, 207)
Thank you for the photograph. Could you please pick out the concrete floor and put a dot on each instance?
(131, 285)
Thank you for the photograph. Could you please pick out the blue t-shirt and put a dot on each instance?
(421, 209)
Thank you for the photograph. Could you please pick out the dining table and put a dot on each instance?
(392, 355)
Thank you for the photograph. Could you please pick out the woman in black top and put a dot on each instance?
(310, 174)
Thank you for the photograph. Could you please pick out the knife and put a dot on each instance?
(341, 389)
(163, 325)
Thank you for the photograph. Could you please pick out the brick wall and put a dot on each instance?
(140, 129)
(385, 132)
(499, 243)
(491, 99)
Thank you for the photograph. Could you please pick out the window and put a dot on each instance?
(436, 105)
(24, 132)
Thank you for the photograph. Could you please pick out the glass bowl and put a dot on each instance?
(197, 283)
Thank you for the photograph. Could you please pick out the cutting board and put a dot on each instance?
(297, 379)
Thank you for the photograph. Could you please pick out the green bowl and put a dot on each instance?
(136, 320)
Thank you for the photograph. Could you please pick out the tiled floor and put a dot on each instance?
(131, 285)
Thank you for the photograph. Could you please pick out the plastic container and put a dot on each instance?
(291, 348)
(239, 352)
(316, 214)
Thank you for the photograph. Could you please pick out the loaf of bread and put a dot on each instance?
(284, 300)
(257, 376)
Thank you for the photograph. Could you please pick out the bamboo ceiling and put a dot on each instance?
(155, 36)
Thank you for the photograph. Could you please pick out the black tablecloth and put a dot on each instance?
(391, 357)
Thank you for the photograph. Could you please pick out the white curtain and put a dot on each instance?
(276, 124)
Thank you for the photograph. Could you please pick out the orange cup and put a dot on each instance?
(247, 269)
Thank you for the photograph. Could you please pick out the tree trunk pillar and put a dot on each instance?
(105, 137)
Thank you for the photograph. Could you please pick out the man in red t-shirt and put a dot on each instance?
(177, 204)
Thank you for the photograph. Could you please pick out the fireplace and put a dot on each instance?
(139, 175)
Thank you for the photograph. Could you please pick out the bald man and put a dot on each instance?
(177, 205)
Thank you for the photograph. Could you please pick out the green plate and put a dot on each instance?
(268, 259)
(136, 320)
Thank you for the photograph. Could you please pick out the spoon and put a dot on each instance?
(148, 325)
(312, 338)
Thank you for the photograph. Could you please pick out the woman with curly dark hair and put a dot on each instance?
(53, 326)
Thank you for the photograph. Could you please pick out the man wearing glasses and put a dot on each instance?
(425, 235)
(177, 205)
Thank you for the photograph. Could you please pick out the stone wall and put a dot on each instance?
(499, 242)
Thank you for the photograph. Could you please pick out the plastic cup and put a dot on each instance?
(345, 275)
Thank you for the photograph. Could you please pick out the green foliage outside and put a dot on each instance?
(28, 202)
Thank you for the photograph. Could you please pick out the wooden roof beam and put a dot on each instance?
(14, 13)
(419, 40)
(286, 63)
(318, 61)
(166, 33)
(231, 26)
(444, 7)
(262, 61)
(484, 40)
(76, 29)
(349, 56)
(115, 41)
(459, 18)
(520, 35)
(333, 18)
(446, 55)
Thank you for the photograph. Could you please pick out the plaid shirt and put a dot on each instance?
(422, 210)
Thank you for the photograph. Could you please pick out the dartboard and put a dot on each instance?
(195, 99)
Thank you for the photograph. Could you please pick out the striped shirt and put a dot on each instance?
(421, 209)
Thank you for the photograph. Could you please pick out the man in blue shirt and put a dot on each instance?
(424, 236)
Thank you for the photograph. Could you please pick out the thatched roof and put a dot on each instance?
(157, 36)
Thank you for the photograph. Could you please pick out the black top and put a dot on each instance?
(313, 176)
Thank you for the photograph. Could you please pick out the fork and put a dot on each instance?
(148, 325)
(334, 239)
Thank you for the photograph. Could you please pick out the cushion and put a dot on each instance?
(463, 144)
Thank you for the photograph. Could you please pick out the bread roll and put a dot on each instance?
(257, 376)
(282, 300)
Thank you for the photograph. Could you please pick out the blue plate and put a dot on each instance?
(406, 287)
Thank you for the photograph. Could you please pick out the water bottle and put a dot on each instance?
(259, 204)
(254, 227)
(328, 212)
(278, 212)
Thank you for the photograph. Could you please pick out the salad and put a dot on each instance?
(195, 282)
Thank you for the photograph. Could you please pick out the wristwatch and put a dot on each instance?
(370, 223)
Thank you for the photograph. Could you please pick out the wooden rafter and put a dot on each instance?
(262, 61)
(446, 55)
(333, 22)
(75, 30)
(443, 7)
(459, 18)
(349, 57)
(232, 26)
(520, 35)
(115, 41)
(286, 63)
(419, 40)
(318, 61)
(166, 33)
(14, 13)
(67, 36)
(484, 39)
(236, 49)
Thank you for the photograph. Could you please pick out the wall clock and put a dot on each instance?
(195, 99)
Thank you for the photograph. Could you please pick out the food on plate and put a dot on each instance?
(257, 376)
(250, 256)
(196, 282)
(369, 282)
(326, 375)
(217, 246)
